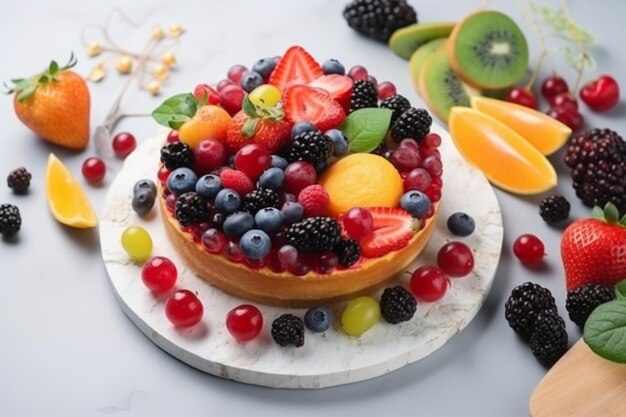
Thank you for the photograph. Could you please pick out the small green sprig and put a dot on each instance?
(25, 87)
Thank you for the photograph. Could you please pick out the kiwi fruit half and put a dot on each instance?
(416, 63)
(488, 50)
(406, 40)
(440, 87)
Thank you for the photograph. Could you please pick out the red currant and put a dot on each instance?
(358, 72)
(553, 85)
(198, 230)
(433, 165)
(208, 155)
(173, 136)
(386, 89)
(299, 175)
(236, 72)
(94, 169)
(358, 222)
(184, 309)
(288, 255)
(529, 249)
(601, 94)
(429, 283)
(159, 274)
(213, 240)
(252, 160)
(433, 192)
(569, 117)
(372, 80)
(326, 263)
(409, 143)
(523, 97)
(232, 251)
(222, 84)
(405, 159)
(455, 259)
(432, 140)
(170, 202)
(123, 144)
(417, 179)
(163, 173)
(564, 100)
(244, 322)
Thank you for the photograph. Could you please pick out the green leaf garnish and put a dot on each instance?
(611, 214)
(597, 213)
(25, 87)
(605, 331)
(366, 128)
(176, 110)
(620, 290)
(562, 27)
(247, 131)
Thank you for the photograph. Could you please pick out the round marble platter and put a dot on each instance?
(326, 359)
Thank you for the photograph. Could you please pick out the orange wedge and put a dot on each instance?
(542, 131)
(66, 198)
(506, 158)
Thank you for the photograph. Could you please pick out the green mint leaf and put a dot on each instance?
(611, 213)
(605, 331)
(248, 107)
(248, 129)
(176, 110)
(622, 222)
(366, 128)
(620, 290)
(597, 213)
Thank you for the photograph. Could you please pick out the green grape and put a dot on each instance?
(265, 95)
(360, 315)
(137, 242)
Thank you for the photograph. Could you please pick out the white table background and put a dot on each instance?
(66, 348)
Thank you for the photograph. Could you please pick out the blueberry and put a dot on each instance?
(264, 66)
(293, 212)
(143, 200)
(251, 80)
(208, 186)
(255, 244)
(269, 219)
(182, 180)
(340, 143)
(272, 178)
(227, 201)
(279, 162)
(415, 202)
(302, 127)
(237, 224)
(461, 224)
(317, 319)
(332, 66)
(141, 184)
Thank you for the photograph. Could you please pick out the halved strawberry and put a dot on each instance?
(314, 105)
(294, 68)
(393, 228)
(338, 86)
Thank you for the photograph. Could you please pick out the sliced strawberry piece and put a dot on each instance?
(338, 86)
(294, 68)
(313, 105)
(393, 228)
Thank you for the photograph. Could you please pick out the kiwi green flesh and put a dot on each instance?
(490, 50)
(406, 40)
(420, 56)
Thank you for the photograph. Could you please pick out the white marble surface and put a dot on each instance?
(67, 348)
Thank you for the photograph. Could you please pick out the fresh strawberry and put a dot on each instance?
(236, 180)
(304, 103)
(338, 86)
(206, 93)
(296, 67)
(594, 250)
(393, 228)
(314, 200)
(55, 105)
(254, 124)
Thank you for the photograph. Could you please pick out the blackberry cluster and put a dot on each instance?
(260, 199)
(364, 94)
(397, 305)
(314, 234)
(10, 220)
(288, 330)
(19, 180)
(348, 252)
(549, 340)
(554, 209)
(312, 146)
(581, 302)
(190, 208)
(176, 155)
(524, 305)
(598, 162)
(399, 104)
(378, 19)
(413, 123)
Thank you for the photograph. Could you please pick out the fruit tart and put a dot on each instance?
(295, 184)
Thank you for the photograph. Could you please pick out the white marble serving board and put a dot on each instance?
(326, 359)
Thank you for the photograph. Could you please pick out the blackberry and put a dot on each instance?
(19, 180)
(10, 220)
(549, 340)
(176, 155)
(524, 305)
(190, 208)
(314, 234)
(260, 199)
(348, 252)
(312, 146)
(378, 19)
(364, 94)
(598, 162)
(399, 104)
(288, 330)
(397, 305)
(554, 209)
(583, 300)
(413, 123)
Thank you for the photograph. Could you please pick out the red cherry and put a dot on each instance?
(206, 92)
(417, 179)
(299, 175)
(564, 100)
(231, 97)
(523, 97)
(159, 274)
(222, 84)
(173, 136)
(184, 309)
(569, 117)
(244, 322)
(358, 222)
(429, 283)
(208, 155)
(236, 72)
(432, 140)
(529, 249)
(455, 259)
(601, 94)
(386, 89)
(405, 158)
(553, 85)
(163, 173)
(252, 160)
(358, 72)
(94, 169)
(123, 144)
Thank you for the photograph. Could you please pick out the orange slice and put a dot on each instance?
(66, 198)
(542, 131)
(506, 158)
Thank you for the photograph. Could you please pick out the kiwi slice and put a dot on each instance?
(488, 50)
(406, 40)
(416, 63)
(440, 87)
